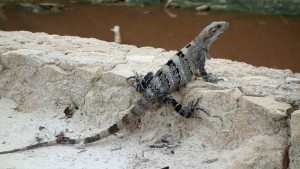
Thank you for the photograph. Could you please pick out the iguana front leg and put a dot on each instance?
(202, 71)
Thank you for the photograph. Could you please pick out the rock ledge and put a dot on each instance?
(254, 122)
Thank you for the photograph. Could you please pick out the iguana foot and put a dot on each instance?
(212, 79)
(187, 111)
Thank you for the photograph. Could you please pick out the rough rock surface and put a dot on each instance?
(254, 119)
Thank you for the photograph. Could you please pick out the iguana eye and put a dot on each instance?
(218, 26)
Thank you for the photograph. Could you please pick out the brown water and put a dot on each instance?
(261, 40)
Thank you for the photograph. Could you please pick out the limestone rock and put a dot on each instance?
(13, 59)
(141, 58)
(53, 73)
(89, 73)
(295, 127)
(277, 110)
(294, 154)
(295, 140)
(42, 74)
(292, 80)
(257, 152)
(225, 99)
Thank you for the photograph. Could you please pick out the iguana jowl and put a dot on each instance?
(178, 71)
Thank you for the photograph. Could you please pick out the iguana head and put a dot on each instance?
(213, 31)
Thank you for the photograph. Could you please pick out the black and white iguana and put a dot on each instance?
(178, 71)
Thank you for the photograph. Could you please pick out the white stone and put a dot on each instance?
(295, 127)
(43, 74)
(295, 140)
(292, 80)
(89, 73)
(276, 109)
(141, 58)
(13, 59)
(53, 73)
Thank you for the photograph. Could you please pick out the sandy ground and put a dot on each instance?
(19, 129)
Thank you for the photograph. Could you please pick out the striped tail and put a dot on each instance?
(134, 113)
(44, 144)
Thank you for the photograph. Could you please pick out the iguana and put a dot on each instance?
(157, 87)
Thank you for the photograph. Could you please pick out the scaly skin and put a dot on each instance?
(177, 72)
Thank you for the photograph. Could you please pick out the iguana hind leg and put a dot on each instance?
(185, 111)
(142, 81)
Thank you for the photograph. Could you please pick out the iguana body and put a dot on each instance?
(175, 73)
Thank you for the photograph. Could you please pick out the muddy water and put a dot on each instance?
(261, 40)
